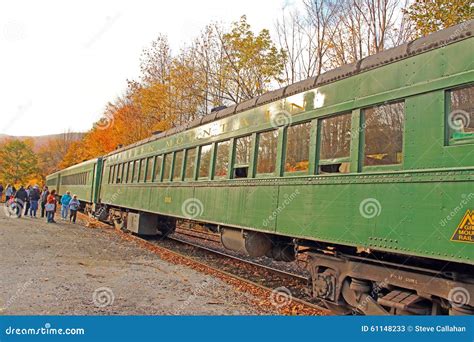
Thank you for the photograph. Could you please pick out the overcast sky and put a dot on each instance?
(61, 61)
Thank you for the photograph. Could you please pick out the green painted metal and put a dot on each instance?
(418, 203)
(87, 192)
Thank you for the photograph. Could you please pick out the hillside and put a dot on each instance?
(39, 141)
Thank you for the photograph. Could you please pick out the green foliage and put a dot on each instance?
(433, 15)
(251, 62)
(18, 162)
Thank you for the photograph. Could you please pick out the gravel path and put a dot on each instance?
(56, 269)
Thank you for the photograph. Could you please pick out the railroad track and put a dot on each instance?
(280, 290)
(242, 260)
(283, 289)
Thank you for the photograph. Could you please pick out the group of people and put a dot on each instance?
(26, 202)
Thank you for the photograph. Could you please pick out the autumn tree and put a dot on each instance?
(433, 15)
(51, 154)
(251, 62)
(18, 162)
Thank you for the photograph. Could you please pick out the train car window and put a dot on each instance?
(460, 115)
(335, 143)
(222, 159)
(190, 163)
(335, 137)
(297, 147)
(125, 173)
(383, 134)
(158, 160)
(167, 167)
(130, 172)
(136, 171)
(149, 169)
(142, 170)
(242, 156)
(178, 165)
(267, 150)
(119, 174)
(113, 173)
(205, 160)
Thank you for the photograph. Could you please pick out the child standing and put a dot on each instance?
(74, 207)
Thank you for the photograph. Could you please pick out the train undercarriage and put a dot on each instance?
(344, 279)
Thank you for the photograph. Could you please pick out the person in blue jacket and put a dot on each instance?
(65, 200)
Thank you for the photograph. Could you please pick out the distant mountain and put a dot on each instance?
(41, 140)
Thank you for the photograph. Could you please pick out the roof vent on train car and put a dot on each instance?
(216, 109)
(119, 146)
(156, 132)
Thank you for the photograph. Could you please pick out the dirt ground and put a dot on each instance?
(56, 269)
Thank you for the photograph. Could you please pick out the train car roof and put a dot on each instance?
(74, 166)
(431, 42)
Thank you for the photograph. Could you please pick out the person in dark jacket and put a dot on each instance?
(44, 199)
(20, 198)
(34, 198)
(1, 192)
(27, 203)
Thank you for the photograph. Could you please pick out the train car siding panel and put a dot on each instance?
(80, 180)
(427, 162)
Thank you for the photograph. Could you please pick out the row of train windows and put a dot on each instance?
(51, 182)
(382, 133)
(76, 179)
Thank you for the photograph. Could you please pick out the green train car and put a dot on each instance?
(367, 169)
(82, 180)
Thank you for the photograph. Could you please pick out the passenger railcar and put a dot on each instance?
(82, 180)
(368, 169)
